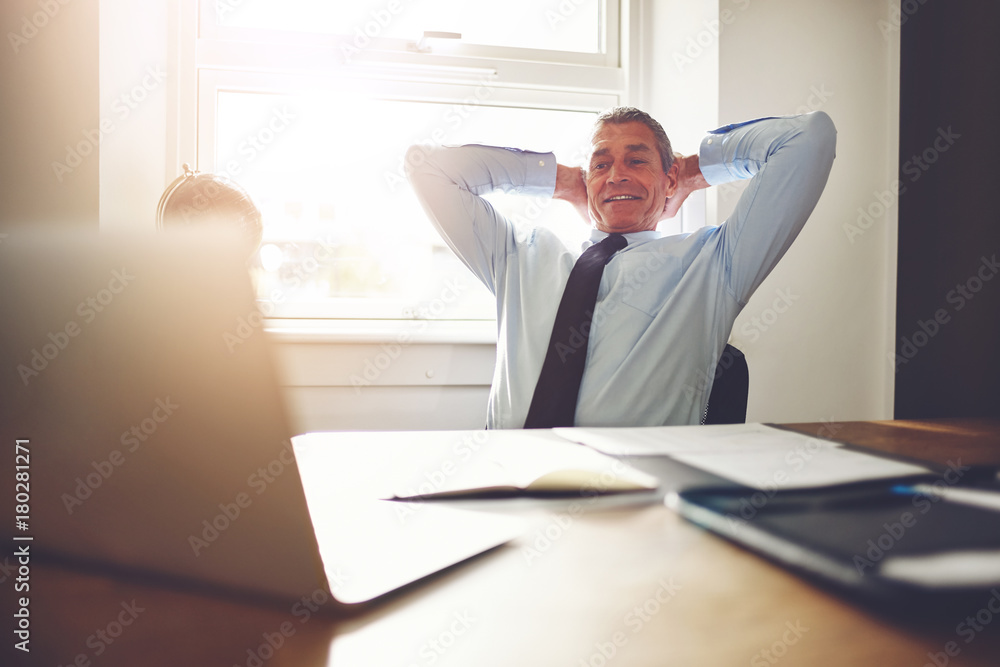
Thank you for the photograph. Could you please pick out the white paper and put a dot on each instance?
(657, 440)
(797, 468)
(754, 455)
(382, 465)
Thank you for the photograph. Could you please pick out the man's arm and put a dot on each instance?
(789, 160)
(448, 181)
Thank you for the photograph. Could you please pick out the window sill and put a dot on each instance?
(429, 332)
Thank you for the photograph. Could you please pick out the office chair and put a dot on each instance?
(727, 404)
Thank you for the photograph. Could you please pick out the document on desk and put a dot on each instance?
(509, 462)
(754, 455)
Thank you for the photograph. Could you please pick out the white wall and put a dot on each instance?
(428, 383)
(679, 85)
(135, 80)
(825, 357)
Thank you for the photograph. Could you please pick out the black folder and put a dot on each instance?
(890, 540)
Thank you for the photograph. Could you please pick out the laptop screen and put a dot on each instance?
(137, 371)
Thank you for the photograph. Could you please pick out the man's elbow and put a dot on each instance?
(417, 159)
(822, 132)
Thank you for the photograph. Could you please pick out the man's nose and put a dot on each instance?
(616, 174)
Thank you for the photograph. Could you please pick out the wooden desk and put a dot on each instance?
(618, 587)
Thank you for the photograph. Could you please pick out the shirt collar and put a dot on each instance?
(597, 236)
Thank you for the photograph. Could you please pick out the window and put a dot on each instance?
(311, 105)
(525, 24)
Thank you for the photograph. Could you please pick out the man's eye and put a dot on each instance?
(600, 165)
(638, 161)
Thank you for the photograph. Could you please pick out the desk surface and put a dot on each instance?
(622, 586)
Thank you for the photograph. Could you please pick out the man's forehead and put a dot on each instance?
(632, 136)
(605, 148)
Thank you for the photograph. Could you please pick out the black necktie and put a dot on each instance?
(554, 401)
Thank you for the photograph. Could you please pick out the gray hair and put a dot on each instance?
(621, 115)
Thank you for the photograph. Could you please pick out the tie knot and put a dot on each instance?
(608, 246)
(615, 242)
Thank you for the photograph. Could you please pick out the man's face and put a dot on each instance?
(626, 185)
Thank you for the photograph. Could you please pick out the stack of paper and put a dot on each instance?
(754, 455)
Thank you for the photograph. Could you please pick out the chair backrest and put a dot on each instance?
(727, 404)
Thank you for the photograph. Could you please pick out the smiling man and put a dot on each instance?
(665, 305)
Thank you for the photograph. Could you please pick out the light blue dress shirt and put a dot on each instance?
(666, 304)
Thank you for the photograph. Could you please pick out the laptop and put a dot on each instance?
(139, 395)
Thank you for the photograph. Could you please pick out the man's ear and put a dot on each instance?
(672, 176)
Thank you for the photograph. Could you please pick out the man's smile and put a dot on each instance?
(622, 198)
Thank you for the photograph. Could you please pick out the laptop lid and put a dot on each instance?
(138, 377)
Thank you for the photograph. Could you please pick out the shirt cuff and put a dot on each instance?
(540, 174)
(711, 163)
(711, 156)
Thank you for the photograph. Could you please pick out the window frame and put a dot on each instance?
(609, 56)
(212, 59)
